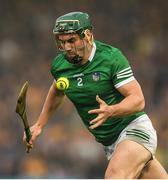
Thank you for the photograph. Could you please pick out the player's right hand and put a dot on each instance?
(35, 131)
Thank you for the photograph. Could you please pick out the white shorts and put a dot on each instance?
(141, 131)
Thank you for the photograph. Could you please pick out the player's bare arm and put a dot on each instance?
(133, 102)
(53, 100)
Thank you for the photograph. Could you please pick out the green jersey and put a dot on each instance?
(107, 70)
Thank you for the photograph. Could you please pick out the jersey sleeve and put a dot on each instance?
(121, 70)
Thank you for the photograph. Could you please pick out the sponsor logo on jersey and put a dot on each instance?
(78, 75)
(96, 76)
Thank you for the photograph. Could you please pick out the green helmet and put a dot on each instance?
(74, 22)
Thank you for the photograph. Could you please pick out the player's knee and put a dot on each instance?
(114, 173)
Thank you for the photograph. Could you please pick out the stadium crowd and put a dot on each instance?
(65, 149)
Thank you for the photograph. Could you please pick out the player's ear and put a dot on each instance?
(88, 36)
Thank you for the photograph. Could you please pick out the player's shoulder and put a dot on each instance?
(107, 49)
(57, 62)
(110, 55)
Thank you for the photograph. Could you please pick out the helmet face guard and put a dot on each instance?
(77, 59)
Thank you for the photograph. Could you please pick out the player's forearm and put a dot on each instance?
(128, 106)
(53, 100)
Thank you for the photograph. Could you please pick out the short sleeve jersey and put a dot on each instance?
(108, 70)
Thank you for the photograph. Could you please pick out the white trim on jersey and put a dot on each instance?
(124, 76)
(128, 68)
(92, 53)
(125, 73)
(124, 82)
(129, 71)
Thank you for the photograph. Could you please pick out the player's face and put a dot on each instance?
(72, 44)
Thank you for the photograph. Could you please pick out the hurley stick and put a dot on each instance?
(21, 110)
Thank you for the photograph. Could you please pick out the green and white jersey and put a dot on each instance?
(108, 70)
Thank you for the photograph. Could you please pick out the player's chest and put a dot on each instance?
(95, 82)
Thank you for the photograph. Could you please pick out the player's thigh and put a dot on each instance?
(153, 170)
(128, 160)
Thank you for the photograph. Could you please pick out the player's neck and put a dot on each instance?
(88, 51)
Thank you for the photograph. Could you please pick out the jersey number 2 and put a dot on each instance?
(80, 83)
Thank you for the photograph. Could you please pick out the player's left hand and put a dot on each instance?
(103, 113)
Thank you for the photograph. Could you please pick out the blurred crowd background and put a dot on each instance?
(65, 149)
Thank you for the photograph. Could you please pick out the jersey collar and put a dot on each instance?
(92, 52)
